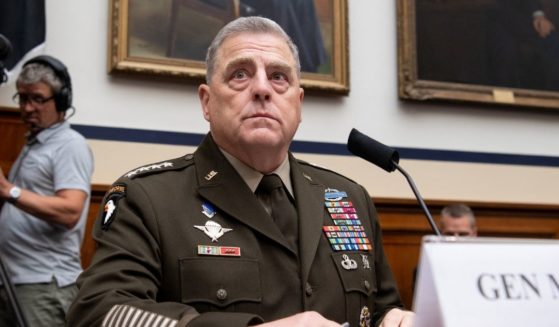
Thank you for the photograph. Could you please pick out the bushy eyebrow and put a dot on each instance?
(281, 67)
(242, 61)
(247, 61)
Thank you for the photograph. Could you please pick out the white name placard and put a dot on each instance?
(465, 282)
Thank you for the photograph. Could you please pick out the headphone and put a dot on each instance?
(62, 98)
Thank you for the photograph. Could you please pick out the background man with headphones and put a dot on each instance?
(44, 200)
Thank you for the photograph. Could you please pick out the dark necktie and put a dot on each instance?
(274, 195)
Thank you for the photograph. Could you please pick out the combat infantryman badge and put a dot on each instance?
(213, 230)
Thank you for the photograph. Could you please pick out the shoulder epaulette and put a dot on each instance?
(167, 165)
(305, 163)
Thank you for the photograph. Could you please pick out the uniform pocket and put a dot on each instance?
(356, 271)
(220, 281)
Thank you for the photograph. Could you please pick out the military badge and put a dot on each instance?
(365, 317)
(222, 251)
(210, 175)
(149, 168)
(365, 259)
(213, 230)
(110, 205)
(208, 209)
(348, 264)
(331, 194)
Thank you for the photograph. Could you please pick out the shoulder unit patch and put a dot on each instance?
(117, 192)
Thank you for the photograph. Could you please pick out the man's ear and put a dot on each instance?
(204, 96)
(301, 96)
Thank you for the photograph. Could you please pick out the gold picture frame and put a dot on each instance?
(169, 38)
(453, 50)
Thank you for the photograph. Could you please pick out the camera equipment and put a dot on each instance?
(5, 49)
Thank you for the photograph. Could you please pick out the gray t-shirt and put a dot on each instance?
(33, 250)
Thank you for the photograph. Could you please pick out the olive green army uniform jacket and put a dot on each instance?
(186, 242)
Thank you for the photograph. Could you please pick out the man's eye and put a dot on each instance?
(239, 74)
(37, 99)
(279, 77)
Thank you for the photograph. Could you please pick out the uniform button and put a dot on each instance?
(367, 285)
(308, 289)
(221, 294)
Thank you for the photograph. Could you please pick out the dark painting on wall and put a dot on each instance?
(170, 37)
(490, 51)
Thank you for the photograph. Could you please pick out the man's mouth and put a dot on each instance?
(262, 115)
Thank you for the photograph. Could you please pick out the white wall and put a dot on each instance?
(77, 34)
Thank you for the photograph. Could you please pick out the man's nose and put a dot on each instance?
(27, 106)
(262, 89)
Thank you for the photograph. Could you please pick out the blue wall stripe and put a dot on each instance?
(138, 135)
(192, 139)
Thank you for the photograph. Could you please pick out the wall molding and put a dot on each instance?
(325, 148)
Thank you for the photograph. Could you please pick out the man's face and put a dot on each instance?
(254, 99)
(37, 113)
(458, 227)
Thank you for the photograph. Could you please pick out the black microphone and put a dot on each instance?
(386, 158)
(375, 152)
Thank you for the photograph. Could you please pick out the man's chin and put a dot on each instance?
(263, 136)
(33, 127)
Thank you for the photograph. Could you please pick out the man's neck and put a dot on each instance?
(252, 177)
(264, 160)
(33, 131)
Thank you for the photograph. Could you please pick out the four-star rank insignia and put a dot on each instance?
(148, 168)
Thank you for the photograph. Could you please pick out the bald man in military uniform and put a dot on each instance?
(193, 242)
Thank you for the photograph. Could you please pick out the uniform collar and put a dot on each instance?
(252, 177)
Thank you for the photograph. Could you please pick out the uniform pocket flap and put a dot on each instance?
(220, 281)
(356, 272)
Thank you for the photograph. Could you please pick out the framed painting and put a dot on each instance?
(169, 38)
(488, 51)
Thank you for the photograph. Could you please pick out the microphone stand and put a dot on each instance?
(419, 198)
(12, 298)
